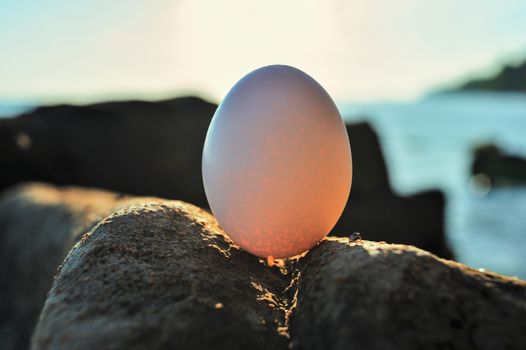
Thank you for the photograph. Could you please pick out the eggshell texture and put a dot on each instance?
(277, 166)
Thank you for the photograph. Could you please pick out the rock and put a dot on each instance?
(162, 276)
(498, 167)
(38, 225)
(417, 220)
(367, 295)
(134, 147)
(155, 149)
(383, 215)
(156, 274)
(370, 175)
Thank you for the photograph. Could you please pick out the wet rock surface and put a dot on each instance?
(368, 295)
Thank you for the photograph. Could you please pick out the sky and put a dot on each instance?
(85, 50)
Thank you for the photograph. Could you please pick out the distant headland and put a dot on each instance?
(511, 78)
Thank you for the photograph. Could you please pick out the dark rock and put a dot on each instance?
(417, 220)
(383, 215)
(499, 167)
(155, 148)
(367, 295)
(370, 176)
(38, 225)
(162, 276)
(135, 147)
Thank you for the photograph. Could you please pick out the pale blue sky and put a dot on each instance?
(359, 50)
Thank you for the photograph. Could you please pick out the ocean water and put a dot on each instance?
(428, 144)
(9, 109)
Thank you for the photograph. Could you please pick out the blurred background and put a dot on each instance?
(441, 86)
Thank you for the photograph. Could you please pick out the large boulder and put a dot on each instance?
(154, 149)
(134, 147)
(162, 276)
(417, 220)
(38, 225)
(368, 295)
(159, 274)
(378, 212)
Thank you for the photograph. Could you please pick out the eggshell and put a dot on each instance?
(277, 166)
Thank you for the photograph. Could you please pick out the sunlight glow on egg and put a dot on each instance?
(277, 166)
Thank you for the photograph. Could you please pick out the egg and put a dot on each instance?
(277, 166)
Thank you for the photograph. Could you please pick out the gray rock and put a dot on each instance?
(162, 276)
(367, 295)
(157, 274)
(38, 225)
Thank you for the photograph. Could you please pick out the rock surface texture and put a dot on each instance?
(368, 295)
(156, 274)
(155, 149)
(38, 225)
(162, 276)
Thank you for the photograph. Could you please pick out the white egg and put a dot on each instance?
(277, 165)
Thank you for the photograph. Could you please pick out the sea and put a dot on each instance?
(9, 109)
(428, 143)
